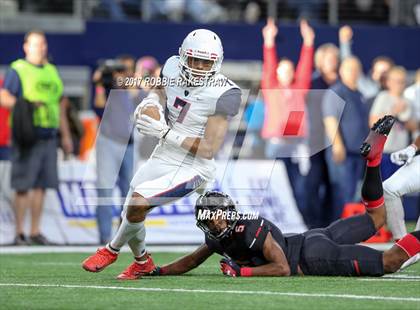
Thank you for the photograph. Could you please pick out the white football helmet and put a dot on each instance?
(202, 44)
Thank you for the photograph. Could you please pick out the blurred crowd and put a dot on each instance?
(314, 115)
(297, 117)
(406, 12)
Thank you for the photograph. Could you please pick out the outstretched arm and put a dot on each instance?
(187, 262)
(269, 76)
(345, 35)
(305, 64)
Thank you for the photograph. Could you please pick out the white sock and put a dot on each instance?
(137, 242)
(125, 232)
(417, 225)
(111, 249)
(140, 262)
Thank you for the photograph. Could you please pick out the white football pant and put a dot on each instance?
(405, 180)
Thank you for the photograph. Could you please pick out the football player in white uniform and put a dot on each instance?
(404, 181)
(198, 104)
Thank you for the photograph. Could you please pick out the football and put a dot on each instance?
(151, 111)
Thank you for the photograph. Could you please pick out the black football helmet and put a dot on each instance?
(210, 203)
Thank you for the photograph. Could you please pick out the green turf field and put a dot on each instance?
(56, 281)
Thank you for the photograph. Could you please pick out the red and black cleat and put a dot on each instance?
(373, 145)
(136, 270)
(98, 261)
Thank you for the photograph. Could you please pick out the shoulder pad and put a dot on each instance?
(171, 67)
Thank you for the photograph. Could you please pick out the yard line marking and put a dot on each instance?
(397, 276)
(390, 279)
(394, 277)
(182, 290)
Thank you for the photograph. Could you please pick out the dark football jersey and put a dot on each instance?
(245, 245)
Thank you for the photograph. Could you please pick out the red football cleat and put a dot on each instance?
(373, 146)
(136, 270)
(98, 261)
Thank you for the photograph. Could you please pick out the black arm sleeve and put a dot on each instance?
(229, 102)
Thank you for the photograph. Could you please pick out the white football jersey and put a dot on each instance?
(187, 111)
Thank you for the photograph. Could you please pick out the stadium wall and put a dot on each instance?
(69, 212)
(241, 42)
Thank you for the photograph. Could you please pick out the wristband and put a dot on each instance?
(174, 138)
(162, 271)
(415, 147)
(246, 272)
(158, 271)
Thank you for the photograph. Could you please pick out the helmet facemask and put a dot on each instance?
(214, 206)
(194, 76)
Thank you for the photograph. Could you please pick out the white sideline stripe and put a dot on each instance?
(90, 249)
(394, 277)
(391, 280)
(183, 290)
(152, 248)
(79, 264)
(54, 264)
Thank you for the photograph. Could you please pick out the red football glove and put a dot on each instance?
(230, 268)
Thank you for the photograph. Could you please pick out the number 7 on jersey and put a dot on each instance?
(185, 106)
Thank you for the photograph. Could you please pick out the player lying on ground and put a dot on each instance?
(199, 102)
(405, 180)
(258, 247)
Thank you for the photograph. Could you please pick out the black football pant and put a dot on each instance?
(332, 251)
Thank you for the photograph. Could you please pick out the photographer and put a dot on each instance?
(105, 78)
(115, 106)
